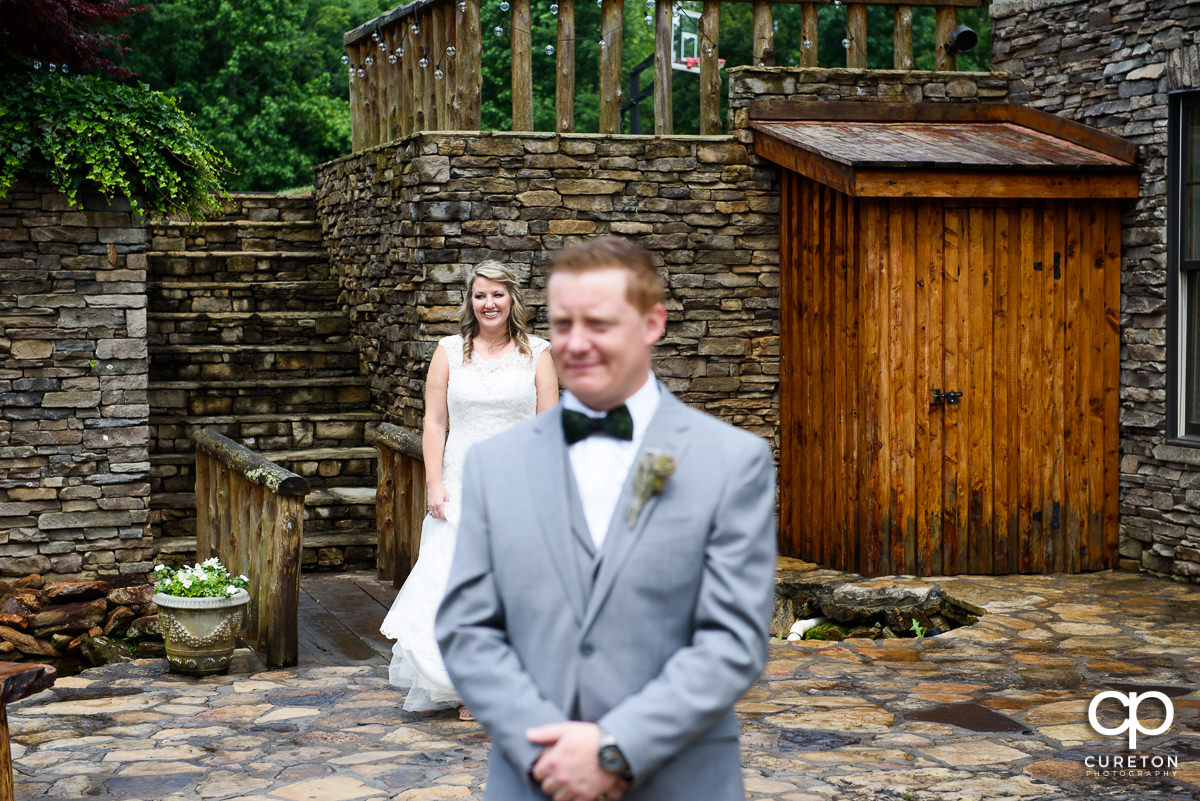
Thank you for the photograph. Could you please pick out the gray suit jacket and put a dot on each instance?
(671, 632)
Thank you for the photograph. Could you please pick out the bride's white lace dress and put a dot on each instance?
(483, 398)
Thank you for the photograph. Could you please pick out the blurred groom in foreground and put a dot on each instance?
(613, 579)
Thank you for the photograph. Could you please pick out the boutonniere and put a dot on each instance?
(649, 478)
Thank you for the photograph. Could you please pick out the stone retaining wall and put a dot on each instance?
(402, 220)
(74, 466)
(1111, 65)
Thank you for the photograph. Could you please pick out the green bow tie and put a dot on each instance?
(617, 424)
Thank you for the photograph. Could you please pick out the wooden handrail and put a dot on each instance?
(250, 515)
(17, 681)
(419, 66)
(399, 501)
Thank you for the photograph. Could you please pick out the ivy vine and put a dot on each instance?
(83, 131)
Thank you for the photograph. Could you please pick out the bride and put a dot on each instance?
(491, 376)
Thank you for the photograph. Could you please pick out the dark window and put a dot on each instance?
(1183, 287)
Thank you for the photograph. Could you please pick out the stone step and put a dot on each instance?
(250, 237)
(268, 432)
(323, 467)
(240, 297)
(268, 396)
(240, 265)
(214, 328)
(227, 362)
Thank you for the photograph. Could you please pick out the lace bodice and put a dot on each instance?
(483, 398)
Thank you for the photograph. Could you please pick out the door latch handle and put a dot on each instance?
(949, 397)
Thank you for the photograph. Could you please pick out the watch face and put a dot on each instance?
(611, 759)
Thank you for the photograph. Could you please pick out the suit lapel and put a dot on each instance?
(548, 458)
(666, 433)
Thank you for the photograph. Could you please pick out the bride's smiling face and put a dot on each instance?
(491, 303)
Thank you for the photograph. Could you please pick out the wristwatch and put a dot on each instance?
(611, 758)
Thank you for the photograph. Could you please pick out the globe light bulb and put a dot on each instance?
(392, 58)
(846, 43)
(438, 74)
(554, 9)
(399, 52)
(649, 20)
(414, 29)
(423, 63)
(451, 51)
(369, 60)
(462, 7)
(345, 59)
(549, 50)
(375, 37)
(362, 73)
(498, 31)
(504, 6)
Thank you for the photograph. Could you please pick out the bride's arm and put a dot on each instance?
(433, 434)
(545, 379)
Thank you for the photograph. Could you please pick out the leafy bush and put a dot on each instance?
(209, 579)
(124, 140)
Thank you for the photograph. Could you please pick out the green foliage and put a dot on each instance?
(917, 629)
(125, 140)
(263, 78)
(826, 631)
(209, 579)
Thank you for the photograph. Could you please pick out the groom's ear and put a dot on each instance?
(656, 323)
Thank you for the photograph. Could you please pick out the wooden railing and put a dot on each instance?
(399, 502)
(418, 67)
(250, 514)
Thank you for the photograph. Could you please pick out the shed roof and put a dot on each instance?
(943, 150)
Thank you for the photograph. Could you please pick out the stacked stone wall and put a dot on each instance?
(74, 467)
(1111, 65)
(402, 221)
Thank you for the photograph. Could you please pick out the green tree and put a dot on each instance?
(263, 78)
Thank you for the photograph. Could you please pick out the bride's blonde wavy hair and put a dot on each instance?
(518, 326)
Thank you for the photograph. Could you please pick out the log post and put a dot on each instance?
(902, 47)
(612, 31)
(856, 36)
(522, 66)
(17, 681)
(710, 76)
(808, 35)
(664, 114)
(469, 71)
(946, 20)
(764, 34)
(564, 90)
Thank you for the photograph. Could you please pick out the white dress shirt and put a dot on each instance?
(601, 463)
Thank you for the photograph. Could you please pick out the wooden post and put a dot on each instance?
(282, 639)
(408, 98)
(392, 85)
(710, 76)
(522, 66)
(385, 513)
(664, 116)
(856, 34)
(469, 71)
(902, 48)
(564, 97)
(17, 681)
(612, 28)
(947, 18)
(808, 35)
(443, 18)
(420, 76)
(357, 134)
(764, 35)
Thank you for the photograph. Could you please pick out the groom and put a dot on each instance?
(613, 578)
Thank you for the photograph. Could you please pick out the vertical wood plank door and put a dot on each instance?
(892, 308)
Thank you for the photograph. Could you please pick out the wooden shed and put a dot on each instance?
(950, 298)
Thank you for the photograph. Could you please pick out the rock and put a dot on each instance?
(65, 591)
(31, 601)
(7, 647)
(11, 606)
(849, 602)
(69, 618)
(27, 644)
(101, 650)
(30, 582)
(14, 621)
(143, 627)
(118, 619)
(138, 595)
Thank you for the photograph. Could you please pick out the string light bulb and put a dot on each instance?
(498, 31)
(554, 9)
(504, 6)
(451, 51)
(549, 50)
(423, 63)
(438, 74)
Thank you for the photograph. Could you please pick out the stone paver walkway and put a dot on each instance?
(897, 719)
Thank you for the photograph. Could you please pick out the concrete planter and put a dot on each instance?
(200, 634)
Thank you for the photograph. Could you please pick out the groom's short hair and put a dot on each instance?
(645, 284)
